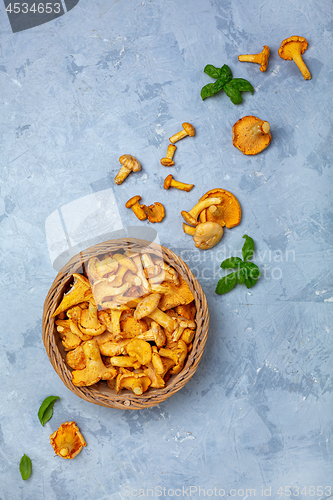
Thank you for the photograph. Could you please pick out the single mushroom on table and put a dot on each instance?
(168, 160)
(170, 181)
(251, 135)
(67, 441)
(292, 49)
(129, 164)
(155, 212)
(261, 58)
(188, 129)
(134, 204)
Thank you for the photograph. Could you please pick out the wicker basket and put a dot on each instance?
(101, 393)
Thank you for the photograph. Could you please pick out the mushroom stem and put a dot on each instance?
(298, 60)
(170, 181)
(188, 129)
(188, 229)
(168, 161)
(261, 127)
(261, 58)
(192, 215)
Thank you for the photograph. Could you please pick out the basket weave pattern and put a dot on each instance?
(101, 393)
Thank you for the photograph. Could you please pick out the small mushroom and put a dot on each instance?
(103, 288)
(125, 262)
(191, 217)
(129, 164)
(251, 135)
(76, 359)
(205, 235)
(154, 334)
(170, 181)
(97, 269)
(79, 292)
(67, 441)
(134, 204)
(89, 323)
(95, 369)
(178, 355)
(147, 305)
(188, 129)
(125, 362)
(168, 161)
(139, 349)
(261, 58)
(155, 212)
(292, 49)
(136, 382)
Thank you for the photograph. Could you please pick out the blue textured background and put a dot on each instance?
(110, 78)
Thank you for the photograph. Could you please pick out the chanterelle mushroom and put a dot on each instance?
(205, 235)
(67, 441)
(251, 135)
(79, 292)
(261, 58)
(95, 369)
(129, 164)
(228, 213)
(292, 49)
(155, 212)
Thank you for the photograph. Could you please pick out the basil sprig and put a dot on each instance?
(247, 272)
(25, 467)
(45, 411)
(225, 81)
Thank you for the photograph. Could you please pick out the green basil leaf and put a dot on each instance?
(25, 467)
(218, 85)
(252, 274)
(231, 263)
(226, 283)
(252, 269)
(211, 71)
(225, 73)
(248, 248)
(233, 93)
(250, 282)
(45, 411)
(242, 85)
(241, 276)
(207, 91)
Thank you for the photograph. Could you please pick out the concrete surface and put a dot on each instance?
(116, 77)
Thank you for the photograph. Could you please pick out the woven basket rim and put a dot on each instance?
(100, 393)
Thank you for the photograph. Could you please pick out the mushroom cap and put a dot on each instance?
(167, 181)
(155, 212)
(289, 44)
(228, 213)
(67, 441)
(207, 235)
(189, 129)
(147, 305)
(132, 201)
(248, 141)
(264, 58)
(130, 162)
(167, 162)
